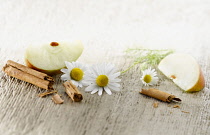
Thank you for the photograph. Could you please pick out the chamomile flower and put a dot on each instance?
(103, 77)
(75, 72)
(149, 77)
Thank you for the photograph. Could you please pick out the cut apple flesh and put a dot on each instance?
(50, 58)
(184, 71)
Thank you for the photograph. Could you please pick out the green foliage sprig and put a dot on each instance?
(146, 57)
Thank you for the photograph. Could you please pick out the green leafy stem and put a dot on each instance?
(146, 57)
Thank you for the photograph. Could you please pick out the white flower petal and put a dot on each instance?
(73, 63)
(114, 88)
(84, 68)
(115, 80)
(100, 91)
(85, 83)
(91, 78)
(78, 65)
(154, 80)
(80, 84)
(115, 75)
(68, 64)
(108, 91)
(111, 71)
(114, 84)
(93, 72)
(90, 88)
(95, 90)
(65, 77)
(75, 83)
(64, 70)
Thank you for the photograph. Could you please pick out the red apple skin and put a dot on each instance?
(49, 72)
(199, 85)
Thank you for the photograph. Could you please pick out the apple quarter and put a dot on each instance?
(50, 58)
(184, 70)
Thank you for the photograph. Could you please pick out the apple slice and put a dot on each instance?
(184, 70)
(50, 58)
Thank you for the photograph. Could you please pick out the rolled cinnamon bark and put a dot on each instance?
(28, 75)
(47, 93)
(57, 99)
(163, 96)
(72, 91)
(29, 70)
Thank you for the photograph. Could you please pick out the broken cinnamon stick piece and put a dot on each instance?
(176, 106)
(155, 105)
(28, 75)
(47, 93)
(185, 112)
(72, 91)
(163, 96)
(57, 99)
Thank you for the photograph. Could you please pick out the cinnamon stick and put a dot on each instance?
(47, 93)
(28, 75)
(57, 99)
(163, 96)
(72, 91)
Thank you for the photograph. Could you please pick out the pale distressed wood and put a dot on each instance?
(125, 112)
(106, 28)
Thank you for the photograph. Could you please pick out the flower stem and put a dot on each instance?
(129, 68)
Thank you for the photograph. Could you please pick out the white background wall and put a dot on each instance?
(115, 24)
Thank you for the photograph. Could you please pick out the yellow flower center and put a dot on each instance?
(102, 80)
(76, 74)
(147, 78)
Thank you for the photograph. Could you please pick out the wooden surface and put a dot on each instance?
(106, 28)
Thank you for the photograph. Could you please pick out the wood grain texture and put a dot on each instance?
(106, 29)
